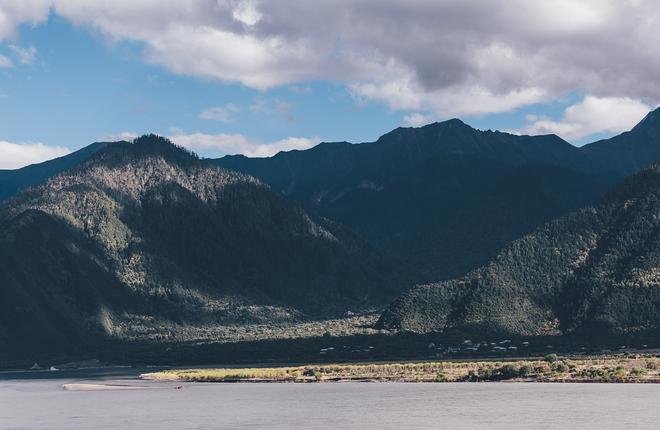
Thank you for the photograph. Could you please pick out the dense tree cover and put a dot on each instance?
(137, 235)
(594, 271)
(145, 230)
(444, 197)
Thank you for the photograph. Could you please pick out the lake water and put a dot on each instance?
(43, 403)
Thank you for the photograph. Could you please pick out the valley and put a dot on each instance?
(147, 253)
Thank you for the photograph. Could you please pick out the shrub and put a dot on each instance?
(551, 358)
(637, 371)
(442, 377)
(508, 371)
(619, 372)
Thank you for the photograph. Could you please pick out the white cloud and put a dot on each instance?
(444, 57)
(590, 116)
(16, 155)
(25, 55)
(5, 62)
(220, 113)
(416, 119)
(288, 144)
(260, 106)
(115, 137)
(448, 57)
(216, 145)
(247, 13)
(14, 13)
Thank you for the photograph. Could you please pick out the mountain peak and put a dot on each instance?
(145, 146)
(650, 121)
(450, 125)
(453, 122)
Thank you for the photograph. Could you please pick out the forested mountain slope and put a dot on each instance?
(145, 232)
(444, 197)
(595, 271)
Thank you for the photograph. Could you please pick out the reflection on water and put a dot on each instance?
(41, 403)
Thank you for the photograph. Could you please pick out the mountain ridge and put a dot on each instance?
(144, 235)
(359, 185)
(449, 163)
(16, 180)
(630, 151)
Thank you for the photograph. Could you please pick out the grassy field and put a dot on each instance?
(552, 368)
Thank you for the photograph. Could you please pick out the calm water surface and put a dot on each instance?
(43, 403)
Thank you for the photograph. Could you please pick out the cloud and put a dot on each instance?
(216, 145)
(415, 119)
(25, 55)
(15, 13)
(16, 155)
(5, 62)
(115, 137)
(260, 106)
(288, 144)
(246, 13)
(448, 57)
(221, 113)
(590, 116)
(444, 57)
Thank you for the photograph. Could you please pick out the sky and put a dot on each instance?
(257, 77)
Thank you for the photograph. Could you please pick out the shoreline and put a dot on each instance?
(551, 369)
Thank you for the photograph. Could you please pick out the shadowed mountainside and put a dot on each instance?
(444, 197)
(592, 272)
(631, 151)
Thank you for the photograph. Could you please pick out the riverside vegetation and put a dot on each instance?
(552, 368)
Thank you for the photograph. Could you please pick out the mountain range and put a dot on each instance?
(445, 198)
(451, 226)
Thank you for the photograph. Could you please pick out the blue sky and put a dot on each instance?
(70, 75)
